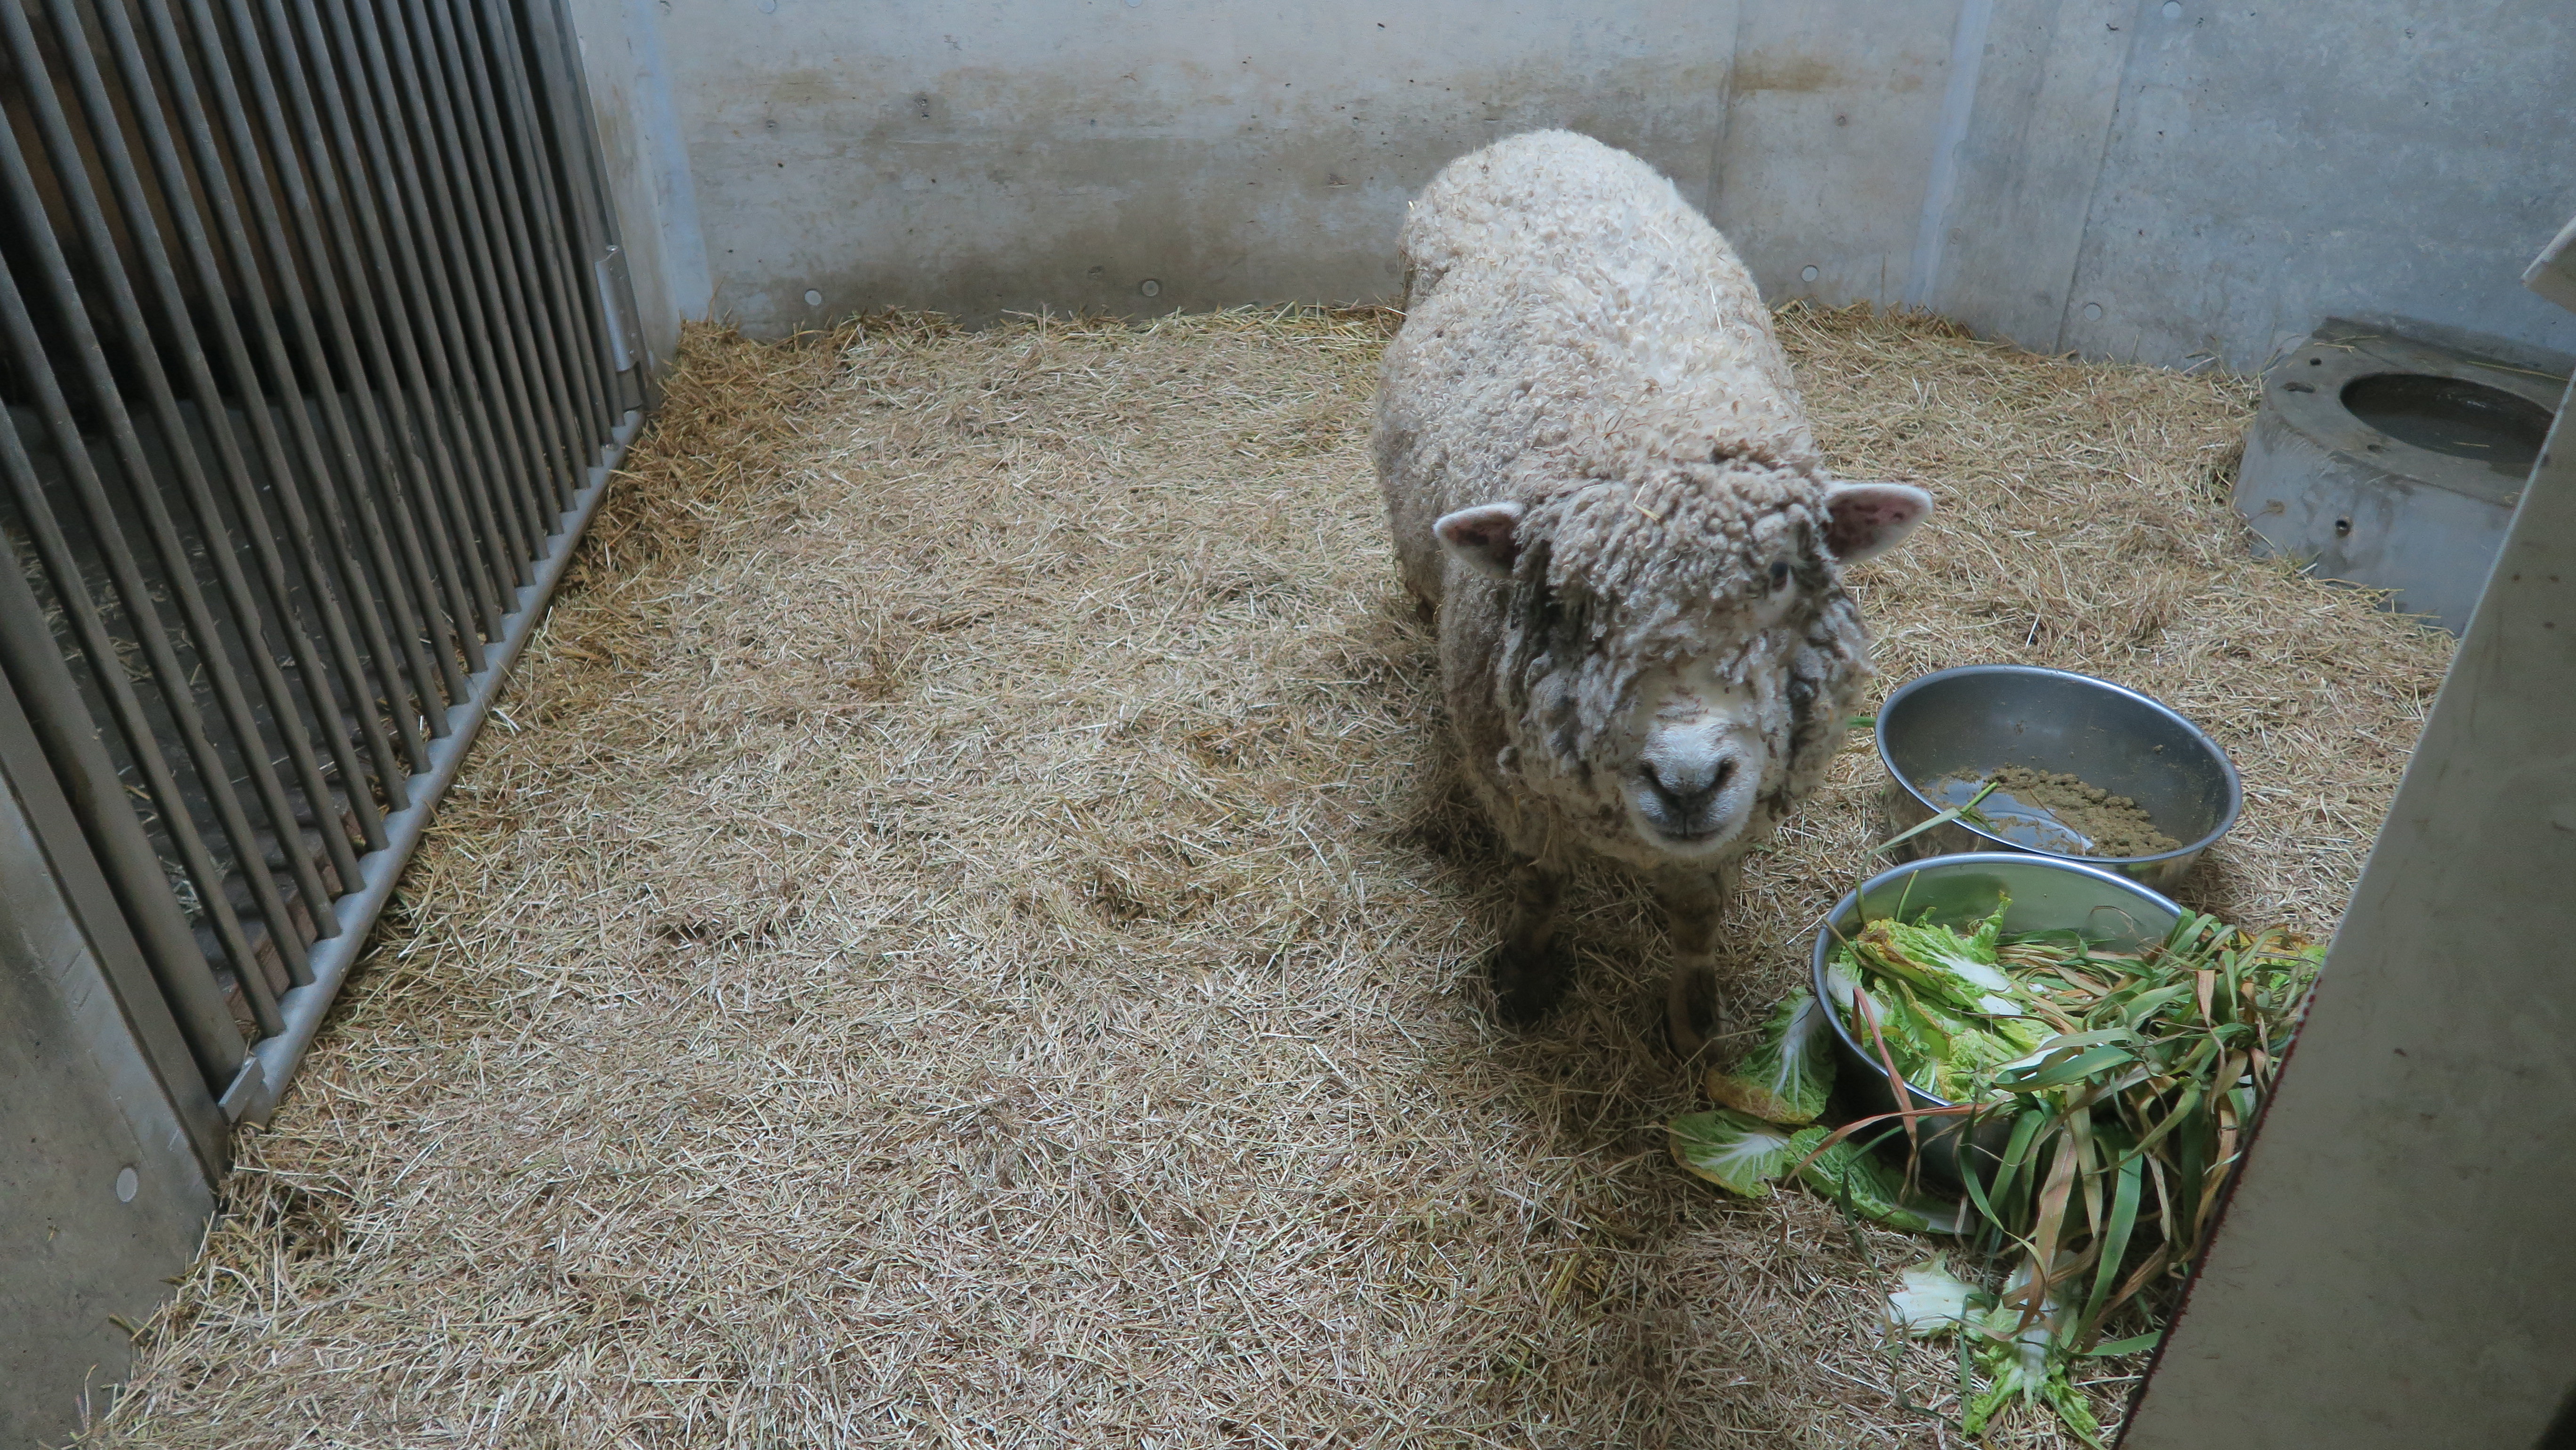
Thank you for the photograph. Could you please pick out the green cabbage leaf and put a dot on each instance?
(2027, 1362)
(1737, 1151)
(1854, 1177)
(1789, 1073)
(1931, 1301)
(1961, 973)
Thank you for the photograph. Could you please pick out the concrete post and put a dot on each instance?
(2393, 1268)
(107, 1199)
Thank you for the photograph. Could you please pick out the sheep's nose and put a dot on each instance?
(1688, 790)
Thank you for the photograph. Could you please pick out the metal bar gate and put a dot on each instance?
(317, 351)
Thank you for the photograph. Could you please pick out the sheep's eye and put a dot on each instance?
(1779, 573)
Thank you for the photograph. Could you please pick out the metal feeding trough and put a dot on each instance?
(2395, 462)
(1941, 734)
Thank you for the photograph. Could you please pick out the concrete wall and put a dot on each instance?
(2270, 166)
(984, 157)
(2158, 179)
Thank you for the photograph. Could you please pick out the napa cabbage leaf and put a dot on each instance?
(1788, 1074)
(1931, 1301)
(1737, 1151)
(1854, 1177)
(2027, 1362)
(1963, 973)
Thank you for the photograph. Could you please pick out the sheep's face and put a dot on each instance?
(1699, 757)
(1664, 729)
(1672, 683)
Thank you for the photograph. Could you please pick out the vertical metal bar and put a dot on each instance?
(395, 586)
(482, 269)
(576, 152)
(305, 1006)
(71, 176)
(361, 690)
(449, 519)
(32, 659)
(514, 254)
(531, 174)
(451, 259)
(324, 212)
(452, 520)
(107, 664)
(248, 615)
(519, 248)
(578, 145)
(530, 147)
(559, 85)
(428, 251)
(213, 652)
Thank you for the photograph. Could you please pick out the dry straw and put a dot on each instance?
(963, 936)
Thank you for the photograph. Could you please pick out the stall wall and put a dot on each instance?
(2157, 179)
(2263, 167)
(106, 1199)
(981, 158)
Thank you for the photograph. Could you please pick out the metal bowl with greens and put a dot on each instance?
(2080, 1062)
(1996, 893)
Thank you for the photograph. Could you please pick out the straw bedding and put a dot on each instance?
(964, 934)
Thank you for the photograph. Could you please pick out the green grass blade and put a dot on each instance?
(2115, 1245)
(2009, 1173)
(2134, 1344)
(2147, 1004)
(2075, 1069)
(2097, 1038)
(2183, 1108)
(1943, 818)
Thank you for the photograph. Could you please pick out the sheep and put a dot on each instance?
(1605, 494)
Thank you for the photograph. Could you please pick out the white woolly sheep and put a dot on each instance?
(1601, 478)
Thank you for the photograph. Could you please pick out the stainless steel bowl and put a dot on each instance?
(2047, 895)
(1977, 719)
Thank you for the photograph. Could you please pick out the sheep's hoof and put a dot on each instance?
(1527, 984)
(1690, 1010)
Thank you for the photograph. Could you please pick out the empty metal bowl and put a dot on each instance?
(2047, 894)
(1964, 724)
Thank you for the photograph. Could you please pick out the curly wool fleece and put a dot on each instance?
(1579, 341)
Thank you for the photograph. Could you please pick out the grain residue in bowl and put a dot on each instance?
(2062, 813)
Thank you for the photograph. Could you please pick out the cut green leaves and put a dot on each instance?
(2111, 1090)
(1932, 1301)
(1854, 1177)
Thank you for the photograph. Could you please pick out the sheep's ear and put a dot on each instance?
(1486, 536)
(1871, 518)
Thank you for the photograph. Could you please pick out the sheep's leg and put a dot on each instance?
(1692, 901)
(1528, 974)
